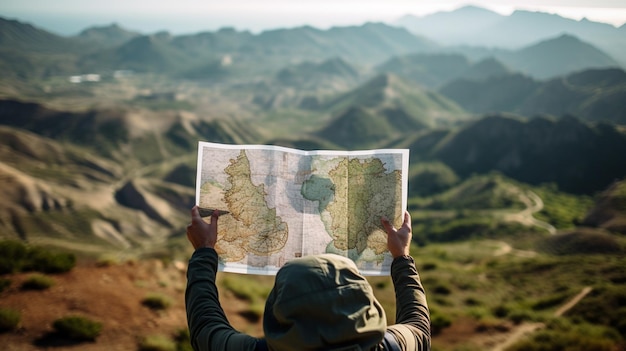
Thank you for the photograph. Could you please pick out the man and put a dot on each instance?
(318, 302)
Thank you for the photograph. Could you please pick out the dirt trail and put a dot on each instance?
(502, 341)
(533, 204)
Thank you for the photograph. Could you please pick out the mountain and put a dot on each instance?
(593, 95)
(499, 93)
(100, 179)
(18, 36)
(479, 27)
(485, 69)
(558, 56)
(107, 36)
(103, 49)
(448, 26)
(435, 70)
(389, 92)
(334, 73)
(429, 70)
(609, 211)
(27, 51)
(146, 53)
(579, 157)
(358, 128)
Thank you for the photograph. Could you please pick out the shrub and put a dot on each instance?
(501, 311)
(18, 257)
(183, 340)
(438, 322)
(37, 282)
(9, 319)
(471, 301)
(441, 289)
(157, 343)
(429, 266)
(157, 301)
(42, 260)
(518, 316)
(77, 328)
(244, 289)
(12, 255)
(563, 336)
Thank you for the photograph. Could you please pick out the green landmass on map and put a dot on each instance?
(251, 226)
(352, 198)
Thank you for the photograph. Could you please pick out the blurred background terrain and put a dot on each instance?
(516, 125)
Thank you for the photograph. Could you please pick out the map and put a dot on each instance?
(286, 203)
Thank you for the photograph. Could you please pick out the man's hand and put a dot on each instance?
(200, 233)
(398, 240)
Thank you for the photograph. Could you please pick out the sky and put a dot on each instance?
(68, 17)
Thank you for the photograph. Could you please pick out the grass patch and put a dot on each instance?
(77, 328)
(183, 340)
(157, 343)
(562, 210)
(9, 319)
(157, 301)
(245, 288)
(562, 335)
(16, 256)
(37, 282)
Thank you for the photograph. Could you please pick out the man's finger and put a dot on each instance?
(214, 217)
(195, 213)
(407, 219)
(387, 225)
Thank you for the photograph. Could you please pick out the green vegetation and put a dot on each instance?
(562, 210)
(9, 319)
(484, 192)
(605, 305)
(582, 241)
(430, 178)
(183, 340)
(252, 289)
(469, 280)
(157, 301)
(77, 328)
(563, 335)
(18, 257)
(157, 343)
(37, 282)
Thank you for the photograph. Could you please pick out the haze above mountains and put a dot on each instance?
(100, 129)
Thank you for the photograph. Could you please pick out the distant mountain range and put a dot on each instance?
(594, 95)
(574, 155)
(28, 51)
(479, 27)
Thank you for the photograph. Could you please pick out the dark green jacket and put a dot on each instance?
(318, 302)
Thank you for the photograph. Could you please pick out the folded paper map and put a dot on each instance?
(278, 203)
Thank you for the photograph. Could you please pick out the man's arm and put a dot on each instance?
(412, 328)
(209, 328)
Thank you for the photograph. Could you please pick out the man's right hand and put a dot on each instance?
(398, 240)
(200, 233)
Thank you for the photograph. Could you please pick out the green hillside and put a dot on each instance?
(580, 158)
(389, 91)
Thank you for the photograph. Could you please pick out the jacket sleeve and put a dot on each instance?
(412, 328)
(209, 328)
